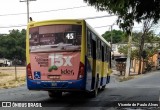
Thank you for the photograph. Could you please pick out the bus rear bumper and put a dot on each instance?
(67, 85)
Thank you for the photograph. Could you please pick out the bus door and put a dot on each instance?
(103, 66)
(94, 62)
(90, 61)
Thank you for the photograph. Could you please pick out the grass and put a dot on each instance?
(7, 77)
(3, 74)
(13, 83)
(121, 79)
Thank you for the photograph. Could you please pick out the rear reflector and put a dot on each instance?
(81, 71)
(29, 71)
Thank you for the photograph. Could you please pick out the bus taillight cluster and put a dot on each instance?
(29, 72)
(81, 71)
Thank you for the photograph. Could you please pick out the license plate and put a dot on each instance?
(53, 84)
(54, 77)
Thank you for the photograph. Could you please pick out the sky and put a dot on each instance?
(15, 6)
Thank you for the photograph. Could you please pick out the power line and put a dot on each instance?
(80, 18)
(98, 17)
(111, 25)
(60, 9)
(44, 11)
(13, 26)
(26, 25)
(103, 26)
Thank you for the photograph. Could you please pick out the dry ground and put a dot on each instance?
(7, 77)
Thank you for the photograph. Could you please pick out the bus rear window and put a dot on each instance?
(55, 34)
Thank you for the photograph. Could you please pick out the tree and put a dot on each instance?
(13, 45)
(117, 36)
(129, 11)
(146, 27)
(123, 49)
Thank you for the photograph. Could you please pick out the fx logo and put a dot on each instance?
(60, 60)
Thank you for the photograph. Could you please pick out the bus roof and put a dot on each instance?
(55, 21)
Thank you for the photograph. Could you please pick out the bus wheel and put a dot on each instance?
(53, 94)
(95, 92)
(103, 87)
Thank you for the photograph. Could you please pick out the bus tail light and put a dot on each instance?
(81, 71)
(29, 72)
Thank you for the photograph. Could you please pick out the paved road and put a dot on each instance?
(144, 88)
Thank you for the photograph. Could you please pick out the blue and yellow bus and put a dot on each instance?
(66, 56)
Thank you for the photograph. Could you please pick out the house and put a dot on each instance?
(152, 63)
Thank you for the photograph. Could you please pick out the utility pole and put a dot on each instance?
(111, 37)
(112, 34)
(27, 8)
(129, 55)
(111, 49)
(15, 61)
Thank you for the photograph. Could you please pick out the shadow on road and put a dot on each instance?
(77, 99)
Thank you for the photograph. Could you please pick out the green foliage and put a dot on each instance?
(13, 45)
(150, 50)
(134, 54)
(129, 11)
(117, 36)
(123, 49)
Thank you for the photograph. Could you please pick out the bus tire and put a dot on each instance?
(94, 93)
(103, 87)
(53, 94)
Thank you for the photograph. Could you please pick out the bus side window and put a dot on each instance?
(100, 50)
(107, 54)
(89, 43)
(97, 49)
(104, 53)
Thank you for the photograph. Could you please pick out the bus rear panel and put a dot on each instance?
(54, 55)
(66, 56)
